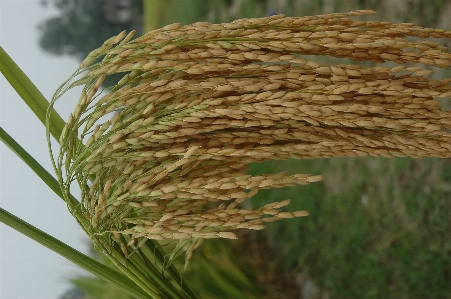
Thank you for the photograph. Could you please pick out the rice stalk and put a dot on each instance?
(165, 152)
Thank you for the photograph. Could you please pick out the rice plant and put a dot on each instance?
(163, 155)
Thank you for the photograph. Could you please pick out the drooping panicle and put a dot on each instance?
(169, 145)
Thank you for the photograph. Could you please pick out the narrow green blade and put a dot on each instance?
(29, 93)
(45, 176)
(73, 255)
(31, 162)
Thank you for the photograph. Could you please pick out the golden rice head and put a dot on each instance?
(170, 144)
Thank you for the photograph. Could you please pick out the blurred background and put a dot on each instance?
(378, 227)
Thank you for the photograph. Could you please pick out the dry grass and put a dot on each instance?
(198, 103)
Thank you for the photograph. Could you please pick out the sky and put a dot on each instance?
(27, 269)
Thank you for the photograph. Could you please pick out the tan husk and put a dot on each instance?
(198, 103)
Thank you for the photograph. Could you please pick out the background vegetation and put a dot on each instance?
(379, 227)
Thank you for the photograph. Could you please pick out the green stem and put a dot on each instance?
(126, 267)
(152, 249)
(149, 269)
(73, 255)
(150, 272)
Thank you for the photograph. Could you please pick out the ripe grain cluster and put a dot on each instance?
(164, 153)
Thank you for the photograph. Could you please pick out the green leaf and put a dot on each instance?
(73, 255)
(45, 176)
(31, 162)
(29, 93)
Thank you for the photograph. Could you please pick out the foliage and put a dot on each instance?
(80, 26)
(72, 32)
(377, 228)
